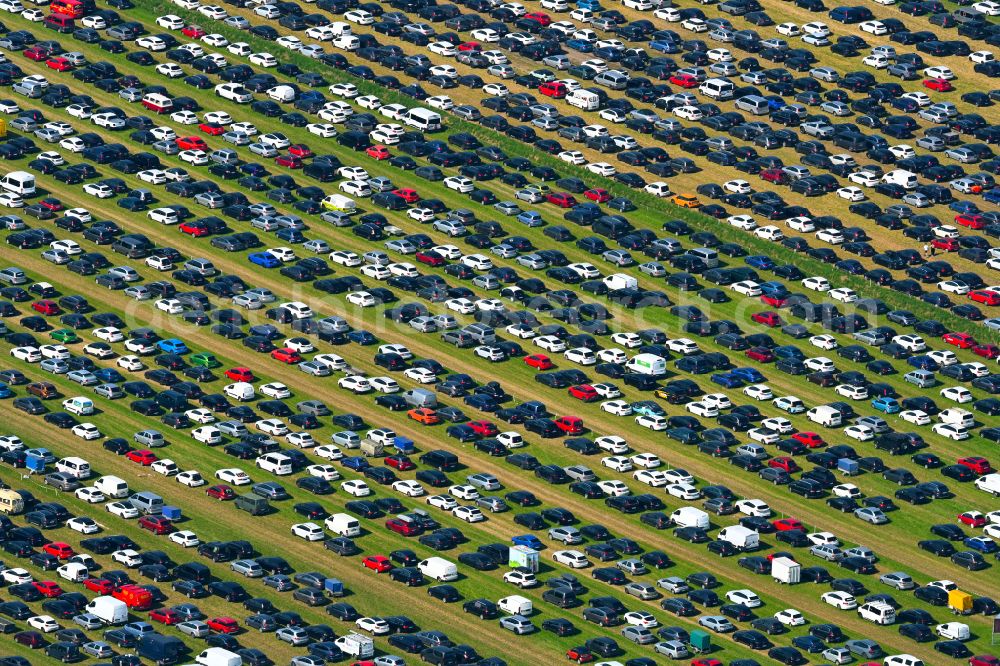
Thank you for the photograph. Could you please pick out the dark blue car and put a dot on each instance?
(760, 261)
(265, 259)
(727, 380)
(749, 375)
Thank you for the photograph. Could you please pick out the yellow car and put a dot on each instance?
(686, 200)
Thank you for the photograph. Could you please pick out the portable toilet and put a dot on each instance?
(959, 602)
(172, 513)
(700, 642)
(522, 556)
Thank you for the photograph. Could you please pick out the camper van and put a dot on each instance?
(11, 502)
(158, 103)
(21, 183)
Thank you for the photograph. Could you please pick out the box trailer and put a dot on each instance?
(786, 570)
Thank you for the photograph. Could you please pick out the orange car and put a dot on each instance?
(686, 200)
(424, 415)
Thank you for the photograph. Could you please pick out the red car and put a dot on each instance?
(584, 392)
(167, 616)
(708, 661)
(580, 654)
(986, 351)
(970, 220)
(51, 203)
(407, 194)
(571, 425)
(212, 129)
(810, 439)
(771, 319)
(684, 80)
(156, 524)
(59, 549)
(470, 46)
(300, 150)
(598, 194)
(972, 519)
(985, 296)
(35, 53)
(191, 143)
(193, 31)
(785, 463)
(400, 462)
(46, 307)
(984, 660)
(773, 301)
(960, 340)
(378, 152)
(221, 492)
(59, 64)
(561, 199)
(484, 428)
(48, 588)
(194, 228)
(539, 361)
(760, 354)
(938, 85)
(430, 257)
(99, 585)
(377, 563)
(777, 176)
(403, 527)
(946, 244)
(286, 355)
(289, 161)
(977, 464)
(541, 17)
(787, 524)
(224, 625)
(240, 374)
(144, 457)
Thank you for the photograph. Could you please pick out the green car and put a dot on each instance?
(65, 336)
(204, 360)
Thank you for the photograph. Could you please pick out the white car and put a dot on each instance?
(165, 466)
(851, 193)
(825, 342)
(308, 531)
(758, 392)
(233, 475)
(745, 597)
(816, 283)
(464, 492)
(90, 494)
(841, 600)
(127, 557)
(16, 576)
(617, 463)
(355, 384)
(191, 478)
(373, 625)
(958, 394)
(746, 287)
(420, 375)
(702, 409)
(654, 478)
(860, 433)
(43, 623)
(684, 491)
(790, 617)
(443, 502)
(469, 514)
(325, 472)
(185, 538)
(753, 507)
(356, 487)
(86, 431)
(617, 407)
(847, 490)
(122, 510)
(950, 431)
(574, 559)
(852, 392)
(409, 488)
(83, 525)
(915, 416)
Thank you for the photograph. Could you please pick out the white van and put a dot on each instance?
(743, 538)
(688, 516)
(19, 182)
(78, 468)
(902, 177)
(618, 281)
(276, 463)
(878, 612)
(112, 486)
(79, 405)
(959, 417)
(438, 568)
(74, 572)
(241, 391)
(717, 89)
(343, 525)
(825, 415)
(584, 99)
(216, 656)
(515, 604)
(989, 483)
(282, 93)
(423, 119)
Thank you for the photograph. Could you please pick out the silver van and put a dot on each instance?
(31, 89)
(754, 104)
(920, 378)
(147, 502)
(612, 79)
(707, 255)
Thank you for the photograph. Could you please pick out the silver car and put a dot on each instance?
(98, 649)
(248, 301)
(293, 635)
(517, 624)
(248, 568)
(566, 535)
(871, 515)
(484, 481)
(492, 504)
(194, 628)
(638, 635)
(263, 150)
(716, 623)
(88, 621)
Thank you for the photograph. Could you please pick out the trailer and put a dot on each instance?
(786, 570)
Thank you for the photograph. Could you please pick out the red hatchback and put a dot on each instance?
(403, 527)
(193, 31)
(539, 17)
(684, 80)
(289, 161)
(810, 439)
(787, 524)
(194, 228)
(221, 492)
(240, 374)
(286, 355)
(946, 244)
(561, 199)
(223, 625)
(985, 296)
(407, 194)
(598, 194)
(191, 143)
(59, 549)
(977, 464)
(785, 463)
(584, 392)
(212, 129)
(46, 307)
(377, 563)
(379, 152)
(986, 351)
(484, 428)
(539, 361)
(938, 85)
(48, 588)
(400, 462)
(770, 319)
(156, 524)
(167, 616)
(971, 220)
(960, 340)
(99, 585)
(571, 425)
(144, 457)
(300, 150)
(760, 354)
(430, 257)
(59, 64)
